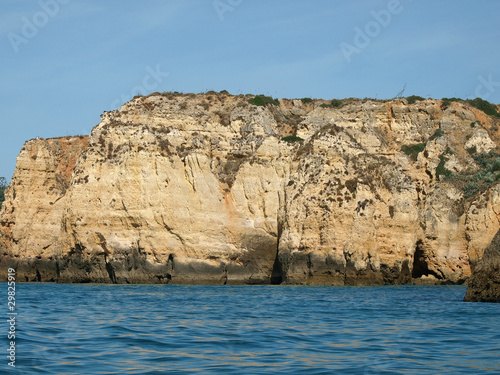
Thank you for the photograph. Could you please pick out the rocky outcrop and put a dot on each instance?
(184, 188)
(484, 284)
(35, 203)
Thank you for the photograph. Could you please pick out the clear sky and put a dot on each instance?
(64, 62)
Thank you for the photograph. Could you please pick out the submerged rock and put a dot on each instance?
(208, 188)
(484, 284)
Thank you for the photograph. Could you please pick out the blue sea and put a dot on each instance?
(172, 329)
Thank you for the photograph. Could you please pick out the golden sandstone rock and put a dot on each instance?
(184, 188)
(484, 284)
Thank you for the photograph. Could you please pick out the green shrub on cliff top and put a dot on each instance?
(336, 103)
(3, 186)
(485, 106)
(446, 102)
(412, 99)
(453, 99)
(262, 100)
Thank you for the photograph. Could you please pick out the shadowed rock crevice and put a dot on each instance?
(277, 275)
(405, 275)
(111, 270)
(225, 275)
(170, 267)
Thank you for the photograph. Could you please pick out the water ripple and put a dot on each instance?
(140, 329)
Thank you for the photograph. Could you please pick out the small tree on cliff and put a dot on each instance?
(3, 186)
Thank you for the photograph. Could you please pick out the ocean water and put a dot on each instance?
(171, 329)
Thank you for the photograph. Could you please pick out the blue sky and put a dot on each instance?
(64, 62)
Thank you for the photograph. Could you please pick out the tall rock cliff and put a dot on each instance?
(208, 188)
(484, 284)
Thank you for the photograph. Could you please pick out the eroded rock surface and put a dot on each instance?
(202, 189)
(484, 284)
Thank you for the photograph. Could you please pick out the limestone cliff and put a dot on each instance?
(186, 188)
(36, 201)
(484, 284)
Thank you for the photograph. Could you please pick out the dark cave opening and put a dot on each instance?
(277, 273)
(170, 263)
(420, 266)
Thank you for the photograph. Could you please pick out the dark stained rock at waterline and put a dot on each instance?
(484, 284)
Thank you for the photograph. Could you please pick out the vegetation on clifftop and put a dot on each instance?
(485, 106)
(481, 104)
(262, 100)
(414, 98)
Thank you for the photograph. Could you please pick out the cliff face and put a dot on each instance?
(35, 203)
(484, 284)
(202, 189)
